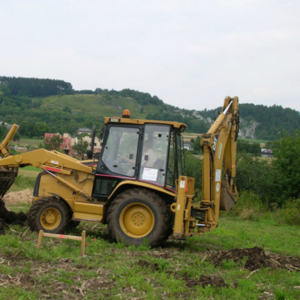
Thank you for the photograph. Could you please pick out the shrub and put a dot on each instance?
(289, 213)
(249, 206)
(193, 168)
(255, 175)
(286, 166)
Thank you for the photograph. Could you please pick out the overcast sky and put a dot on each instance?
(190, 54)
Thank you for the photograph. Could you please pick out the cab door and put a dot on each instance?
(118, 159)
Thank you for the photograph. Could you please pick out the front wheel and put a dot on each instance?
(48, 214)
(136, 215)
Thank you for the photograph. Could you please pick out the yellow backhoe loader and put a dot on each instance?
(136, 185)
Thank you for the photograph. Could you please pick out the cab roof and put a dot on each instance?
(108, 120)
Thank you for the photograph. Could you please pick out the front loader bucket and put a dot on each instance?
(7, 178)
(228, 199)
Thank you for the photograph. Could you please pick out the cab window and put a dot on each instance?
(153, 165)
(120, 152)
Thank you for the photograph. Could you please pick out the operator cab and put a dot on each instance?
(138, 150)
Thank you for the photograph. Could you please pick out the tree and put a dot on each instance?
(4, 87)
(255, 175)
(250, 148)
(52, 143)
(17, 136)
(196, 145)
(82, 135)
(39, 129)
(193, 168)
(3, 132)
(287, 165)
(81, 147)
(67, 109)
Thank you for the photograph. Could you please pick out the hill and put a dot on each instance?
(45, 105)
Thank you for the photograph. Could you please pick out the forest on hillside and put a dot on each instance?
(272, 120)
(21, 102)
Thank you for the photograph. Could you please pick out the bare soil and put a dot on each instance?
(252, 258)
(256, 258)
(55, 287)
(13, 198)
(7, 217)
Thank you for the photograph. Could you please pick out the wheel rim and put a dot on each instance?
(137, 220)
(50, 218)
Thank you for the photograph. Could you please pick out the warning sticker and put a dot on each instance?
(182, 184)
(218, 175)
(217, 186)
(150, 174)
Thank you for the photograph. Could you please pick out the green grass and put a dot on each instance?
(253, 141)
(26, 179)
(115, 271)
(107, 106)
(23, 182)
(31, 168)
(24, 142)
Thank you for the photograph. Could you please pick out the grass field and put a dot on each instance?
(26, 142)
(177, 270)
(26, 179)
(241, 259)
(97, 105)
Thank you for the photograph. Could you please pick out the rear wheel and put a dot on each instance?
(48, 214)
(138, 214)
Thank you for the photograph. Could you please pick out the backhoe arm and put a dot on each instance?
(220, 144)
(4, 145)
(54, 163)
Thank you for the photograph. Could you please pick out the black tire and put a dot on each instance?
(136, 215)
(72, 224)
(48, 214)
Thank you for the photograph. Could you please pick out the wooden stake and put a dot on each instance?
(62, 236)
(40, 239)
(83, 243)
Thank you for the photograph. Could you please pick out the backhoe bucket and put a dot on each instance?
(7, 175)
(228, 199)
(7, 178)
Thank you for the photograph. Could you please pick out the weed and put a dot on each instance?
(280, 294)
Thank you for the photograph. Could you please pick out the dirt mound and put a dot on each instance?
(203, 280)
(146, 264)
(256, 259)
(12, 198)
(215, 281)
(8, 217)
